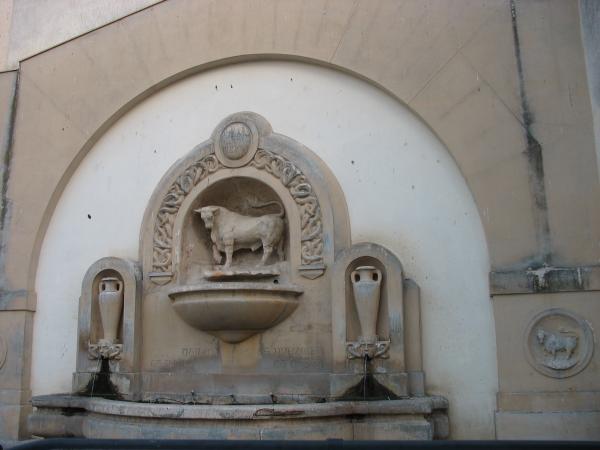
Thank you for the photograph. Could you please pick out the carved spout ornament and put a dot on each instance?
(104, 350)
(368, 349)
(110, 301)
(366, 286)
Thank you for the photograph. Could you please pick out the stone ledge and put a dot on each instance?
(545, 280)
(412, 418)
(418, 405)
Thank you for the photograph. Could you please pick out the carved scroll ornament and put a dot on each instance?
(286, 172)
(162, 249)
(302, 193)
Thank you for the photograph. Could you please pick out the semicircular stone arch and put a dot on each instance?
(402, 188)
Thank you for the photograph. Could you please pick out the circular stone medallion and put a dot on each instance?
(558, 343)
(236, 143)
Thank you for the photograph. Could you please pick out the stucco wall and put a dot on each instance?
(402, 187)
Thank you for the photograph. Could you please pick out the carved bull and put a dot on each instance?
(554, 343)
(230, 231)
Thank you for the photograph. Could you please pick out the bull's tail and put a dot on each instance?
(281, 212)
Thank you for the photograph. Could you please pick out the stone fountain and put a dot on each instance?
(250, 313)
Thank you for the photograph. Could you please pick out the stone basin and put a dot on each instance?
(91, 417)
(234, 311)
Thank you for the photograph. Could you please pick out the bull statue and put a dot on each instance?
(230, 231)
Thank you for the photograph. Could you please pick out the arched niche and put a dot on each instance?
(315, 208)
(90, 330)
(242, 194)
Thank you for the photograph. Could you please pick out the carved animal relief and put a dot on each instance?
(558, 343)
(558, 348)
(230, 231)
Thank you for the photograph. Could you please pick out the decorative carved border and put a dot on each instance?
(308, 205)
(162, 250)
(286, 172)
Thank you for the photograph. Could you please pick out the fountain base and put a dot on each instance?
(420, 418)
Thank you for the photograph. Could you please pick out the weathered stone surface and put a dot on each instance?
(561, 119)
(463, 87)
(545, 279)
(10, 298)
(396, 419)
(390, 318)
(129, 326)
(15, 370)
(412, 335)
(13, 420)
(548, 425)
(281, 184)
(513, 315)
(385, 427)
(34, 27)
(549, 401)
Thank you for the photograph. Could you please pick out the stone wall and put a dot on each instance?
(29, 27)
(402, 188)
(503, 85)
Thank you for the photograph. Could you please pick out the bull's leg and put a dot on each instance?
(228, 255)
(267, 250)
(216, 254)
(280, 249)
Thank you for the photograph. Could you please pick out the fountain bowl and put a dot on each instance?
(235, 311)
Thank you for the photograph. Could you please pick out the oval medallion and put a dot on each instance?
(236, 140)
